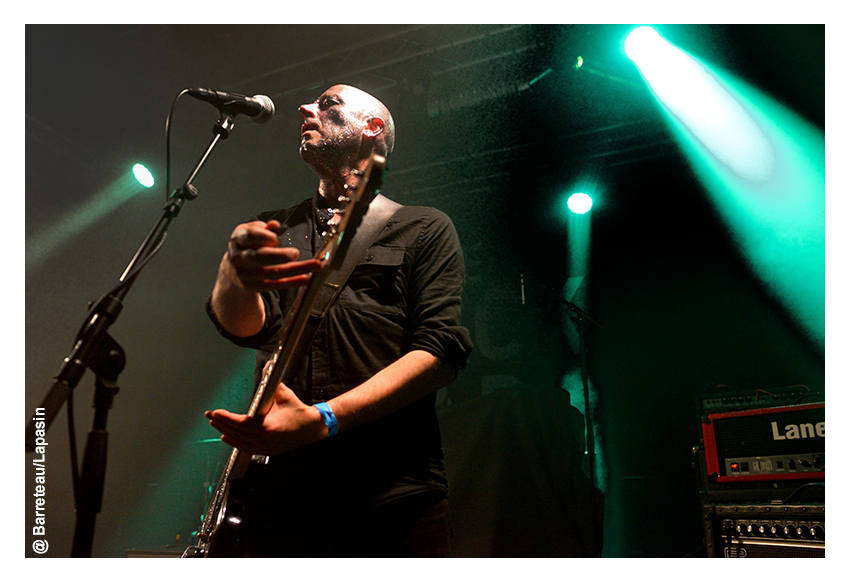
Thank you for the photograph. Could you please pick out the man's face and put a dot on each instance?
(331, 133)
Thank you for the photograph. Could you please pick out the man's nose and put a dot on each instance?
(308, 110)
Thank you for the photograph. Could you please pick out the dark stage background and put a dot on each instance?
(494, 123)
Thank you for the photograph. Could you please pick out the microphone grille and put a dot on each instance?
(268, 109)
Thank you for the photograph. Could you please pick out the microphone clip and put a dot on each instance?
(225, 124)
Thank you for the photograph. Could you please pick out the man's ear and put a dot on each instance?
(374, 127)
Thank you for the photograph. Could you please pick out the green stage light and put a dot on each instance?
(762, 165)
(580, 203)
(97, 207)
(642, 42)
(700, 101)
(143, 175)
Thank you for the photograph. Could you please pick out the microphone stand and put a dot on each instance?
(581, 318)
(95, 349)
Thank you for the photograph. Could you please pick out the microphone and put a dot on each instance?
(259, 107)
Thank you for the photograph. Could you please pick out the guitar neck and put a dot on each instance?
(294, 343)
(292, 346)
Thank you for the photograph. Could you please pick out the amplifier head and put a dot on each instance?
(787, 442)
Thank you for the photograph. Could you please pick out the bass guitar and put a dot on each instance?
(220, 532)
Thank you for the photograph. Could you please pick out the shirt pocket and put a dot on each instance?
(374, 284)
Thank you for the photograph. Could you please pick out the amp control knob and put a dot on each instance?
(775, 530)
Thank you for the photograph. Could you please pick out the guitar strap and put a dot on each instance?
(380, 210)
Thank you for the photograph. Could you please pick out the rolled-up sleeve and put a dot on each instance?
(437, 278)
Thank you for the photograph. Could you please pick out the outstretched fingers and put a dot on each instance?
(238, 430)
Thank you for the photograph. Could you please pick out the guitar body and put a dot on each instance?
(222, 532)
(227, 537)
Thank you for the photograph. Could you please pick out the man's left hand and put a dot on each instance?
(288, 425)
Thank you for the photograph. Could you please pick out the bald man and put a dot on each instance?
(355, 460)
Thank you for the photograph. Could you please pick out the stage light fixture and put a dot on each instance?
(143, 175)
(642, 42)
(699, 100)
(77, 220)
(580, 203)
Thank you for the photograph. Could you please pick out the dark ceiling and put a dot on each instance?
(494, 121)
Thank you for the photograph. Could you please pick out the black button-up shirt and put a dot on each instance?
(404, 295)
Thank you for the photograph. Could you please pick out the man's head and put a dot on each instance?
(344, 125)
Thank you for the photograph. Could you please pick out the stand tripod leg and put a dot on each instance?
(89, 500)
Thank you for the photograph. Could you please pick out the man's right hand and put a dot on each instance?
(252, 263)
(255, 262)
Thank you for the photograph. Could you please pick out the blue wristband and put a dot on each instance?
(329, 418)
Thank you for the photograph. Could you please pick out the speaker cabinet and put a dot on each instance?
(764, 531)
